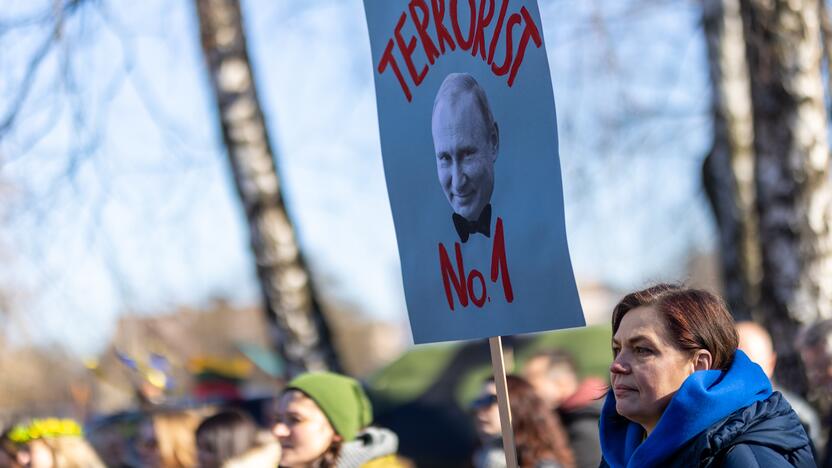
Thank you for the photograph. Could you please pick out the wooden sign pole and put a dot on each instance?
(498, 366)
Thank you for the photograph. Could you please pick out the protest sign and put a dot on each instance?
(469, 140)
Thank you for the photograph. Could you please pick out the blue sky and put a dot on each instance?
(127, 204)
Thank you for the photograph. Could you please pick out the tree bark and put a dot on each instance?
(794, 198)
(728, 172)
(300, 330)
(826, 33)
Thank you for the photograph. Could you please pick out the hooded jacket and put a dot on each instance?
(374, 447)
(716, 419)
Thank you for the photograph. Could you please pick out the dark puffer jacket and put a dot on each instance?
(717, 418)
(765, 434)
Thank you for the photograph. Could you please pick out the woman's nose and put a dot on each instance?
(619, 366)
(280, 430)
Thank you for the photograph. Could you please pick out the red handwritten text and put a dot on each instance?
(484, 28)
(471, 285)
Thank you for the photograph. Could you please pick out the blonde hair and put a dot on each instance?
(175, 437)
(72, 452)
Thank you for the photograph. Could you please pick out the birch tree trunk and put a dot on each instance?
(794, 198)
(728, 173)
(300, 331)
(826, 34)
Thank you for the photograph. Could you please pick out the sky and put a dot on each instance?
(118, 197)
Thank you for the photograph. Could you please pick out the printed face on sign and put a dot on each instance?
(466, 141)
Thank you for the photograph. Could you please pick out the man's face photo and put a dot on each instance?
(466, 140)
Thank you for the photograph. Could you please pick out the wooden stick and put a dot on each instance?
(508, 356)
(499, 369)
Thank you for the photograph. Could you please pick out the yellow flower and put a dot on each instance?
(42, 428)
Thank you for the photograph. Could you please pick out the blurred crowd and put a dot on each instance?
(326, 420)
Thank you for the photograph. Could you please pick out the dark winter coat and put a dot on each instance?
(716, 419)
(581, 425)
(765, 434)
(580, 414)
(827, 460)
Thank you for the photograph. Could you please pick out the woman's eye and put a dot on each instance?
(641, 351)
(288, 420)
(615, 351)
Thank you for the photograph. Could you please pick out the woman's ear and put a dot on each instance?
(702, 360)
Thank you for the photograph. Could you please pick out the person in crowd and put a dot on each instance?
(540, 440)
(112, 439)
(12, 455)
(265, 454)
(554, 376)
(166, 439)
(756, 343)
(229, 437)
(65, 452)
(683, 394)
(224, 435)
(815, 345)
(323, 420)
(51, 443)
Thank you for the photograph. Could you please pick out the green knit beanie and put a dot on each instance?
(341, 399)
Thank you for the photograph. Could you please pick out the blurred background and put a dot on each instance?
(172, 234)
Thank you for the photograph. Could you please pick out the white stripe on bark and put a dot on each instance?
(793, 186)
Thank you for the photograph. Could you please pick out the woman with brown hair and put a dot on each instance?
(540, 439)
(684, 395)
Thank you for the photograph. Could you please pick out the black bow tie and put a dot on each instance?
(482, 225)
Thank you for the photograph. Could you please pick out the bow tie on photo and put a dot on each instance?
(482, 225)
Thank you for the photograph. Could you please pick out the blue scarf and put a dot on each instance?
(704, 398)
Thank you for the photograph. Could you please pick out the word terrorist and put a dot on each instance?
(436, 36)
